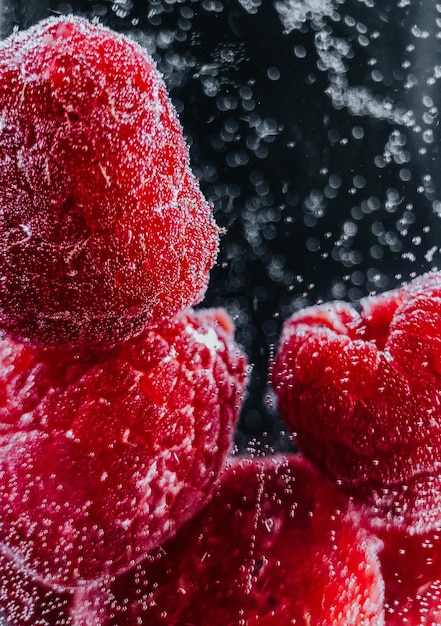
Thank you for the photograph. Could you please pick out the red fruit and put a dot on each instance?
(105, 454)
(362, 390)
(26, 603)
(103, 229)
(424, 609)
(411, 567)
(275, 546)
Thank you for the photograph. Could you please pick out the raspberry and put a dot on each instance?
(275, 546)
(25, 603)
(424, 609)
(103, 454)
(411, 567)
(103, 229)
(361, 388)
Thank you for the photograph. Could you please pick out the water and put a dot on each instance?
(314, 129)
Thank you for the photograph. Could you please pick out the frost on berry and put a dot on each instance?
(361, 388)
(103, 454)
(275, 546)
(103, 229)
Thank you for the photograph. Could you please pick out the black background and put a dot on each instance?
(313, 126)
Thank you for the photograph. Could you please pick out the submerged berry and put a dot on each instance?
(275, 546)
(362, 390)
(23, 602)
(411, 567)
(103, 229)
(104, 454)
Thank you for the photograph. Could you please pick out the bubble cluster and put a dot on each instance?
(104, 453)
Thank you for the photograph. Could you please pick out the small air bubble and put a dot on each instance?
(409, 256)
(428, 136)
(300, 52)
(358, 132)
(405, 174)
(359, 181)
(273, 73)
(335, 181)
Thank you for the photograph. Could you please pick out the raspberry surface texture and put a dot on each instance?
(411, 568)
(23, 602)
(423, 609)
(361, 389)
(103, 454)
(275, 546)
(103, 228)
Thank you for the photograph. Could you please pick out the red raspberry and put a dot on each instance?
(104, 454)
(424, 609)
(411, 567)
(275, 546)
(362, 391)
(103, 229)
(26, 603)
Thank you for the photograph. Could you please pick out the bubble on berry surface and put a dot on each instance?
(360, 389)
(104, 454)
(292, 549)
(103, 227)
(23, 602)
(410, 565)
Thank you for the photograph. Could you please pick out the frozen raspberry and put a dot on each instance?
(103, 454)
(103, 229)
(361, 388)
(275, 546)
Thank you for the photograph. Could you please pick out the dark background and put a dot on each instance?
(314, 129)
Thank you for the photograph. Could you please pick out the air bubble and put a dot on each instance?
(358, 132)
(405, 174)
(300, 52)
(428, 136)
(214, 6)
(335, 181)
(273, 73)
(359, 181)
